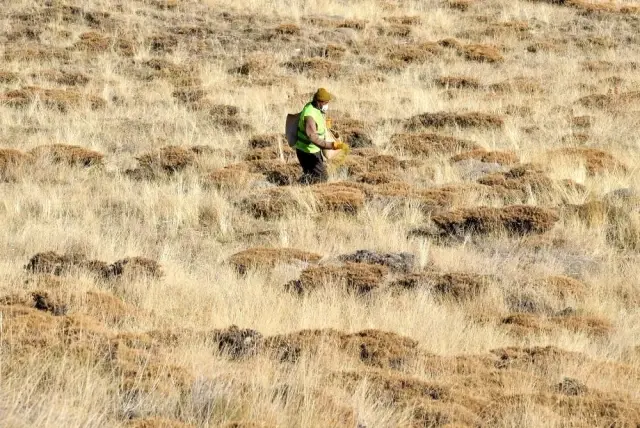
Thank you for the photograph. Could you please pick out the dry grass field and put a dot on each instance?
(473, 261)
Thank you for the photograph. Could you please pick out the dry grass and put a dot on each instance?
(470, 262)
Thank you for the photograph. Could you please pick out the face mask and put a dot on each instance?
(324, 108)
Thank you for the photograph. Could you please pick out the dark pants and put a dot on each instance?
(314, 169)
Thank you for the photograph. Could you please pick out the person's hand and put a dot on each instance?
(339, 145)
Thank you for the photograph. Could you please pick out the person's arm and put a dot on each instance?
(312, 133)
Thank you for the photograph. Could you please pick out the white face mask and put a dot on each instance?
(324, 108)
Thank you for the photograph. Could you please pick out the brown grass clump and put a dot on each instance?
(515, 219)
(157, 422)
(133, 267)
(54, 263)
(611, 102)
(66, 78)
(359, 278)
(168, 159)
(269, 257)
(584, 122)
(288, 29)
(60, 99)
(373, 348)
(375, 178)
(354, 24)
(11, 161)
(95, 42)
(36, 53)
(8, 77)
(595, 161)
(519, 182)
(67, 154)
(462, 120)
(270, 203)
(430, 144)
(453, 286)
(461, 5)
(276, 171)
(501, 158)
(458, 82)
(403, 20)
(265, 141)
(231, 178)
(396, 262)
(315, 67)
(562, 287)
(522, 85)
(338, 198)
(415, 53)
(255, 65)
(482, 53)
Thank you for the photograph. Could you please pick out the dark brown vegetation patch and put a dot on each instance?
(11, 161)
(461, 120)
(269, 257)
(522, 181)
(338, 198)
(396, 262)
(415, 53)
(265, 141)
(611, 102)
(133, 267)
(595, 161)
(60, 99)
(482, 53)
(430, 144)
(515, 219)
(452, 286)
(95, 42)
(168, 159)
(67, 154)
(373, 348)
(523, 85)
(458, 82)
(315, 67)
(359, 278)
(61, 264)
(501, 158)
(270, 203)
(231, 178)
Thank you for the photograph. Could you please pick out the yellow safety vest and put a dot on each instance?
(304, 143)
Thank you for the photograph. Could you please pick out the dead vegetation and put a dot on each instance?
(64, 264)
(595, 161)
(359, 278)
(453, 286)
(269, 257)
(451, 119)
(515, 220)
(501, 158)
(430, 144)
(67, 154)
(59, 99)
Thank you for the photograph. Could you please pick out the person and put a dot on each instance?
(312, 138)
